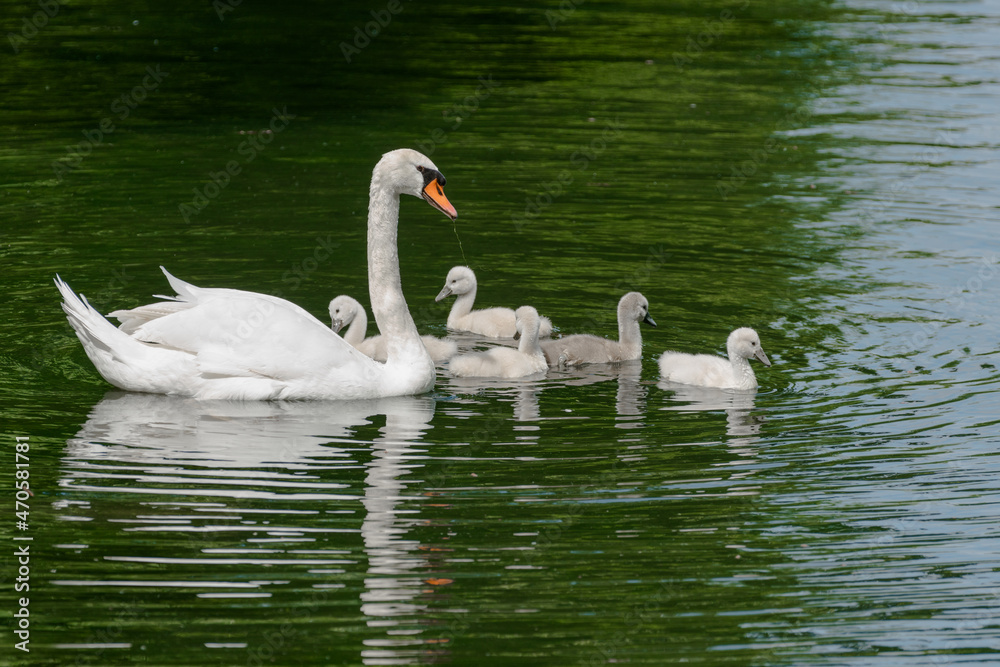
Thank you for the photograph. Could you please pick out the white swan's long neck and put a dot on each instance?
(742, 372)
(629, 336)
(384, 285)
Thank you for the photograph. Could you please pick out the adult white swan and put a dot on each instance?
(236, 345)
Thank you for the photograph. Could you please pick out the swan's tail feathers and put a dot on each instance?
(117, 356)
(185, 291)
(91, 328)
(120, 359)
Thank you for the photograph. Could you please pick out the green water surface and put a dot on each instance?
(823, 172)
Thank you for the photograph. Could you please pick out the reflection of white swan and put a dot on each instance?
(394, 563)
(161, 432)
(492, 322)
(588, 349)
(707, 370)
(224, 457)
(346, 311)
(231, 344)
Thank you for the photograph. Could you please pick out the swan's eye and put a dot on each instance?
(420, 168)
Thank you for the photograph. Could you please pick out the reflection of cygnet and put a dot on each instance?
(706, 370)
(587, 349)
(505, 362)
(492, 322)
(347, 312)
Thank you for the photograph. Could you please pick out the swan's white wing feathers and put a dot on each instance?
(241, 334)
(185, 290)
(134, 318)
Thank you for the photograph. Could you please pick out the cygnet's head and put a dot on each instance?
(461, 280)
(526, 322)
(634, 306)
(343, 310)
(745, 342)
(406, 171)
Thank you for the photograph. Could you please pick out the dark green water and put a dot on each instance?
(823, 172)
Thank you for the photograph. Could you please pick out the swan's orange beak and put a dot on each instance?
(434, 195)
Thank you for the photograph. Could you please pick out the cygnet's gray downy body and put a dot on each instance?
(577, 349)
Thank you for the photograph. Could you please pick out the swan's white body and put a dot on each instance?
(506, 362)
(491, 322)
(707, 370)
(236, 345)
(346, 311)
(577, 349)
